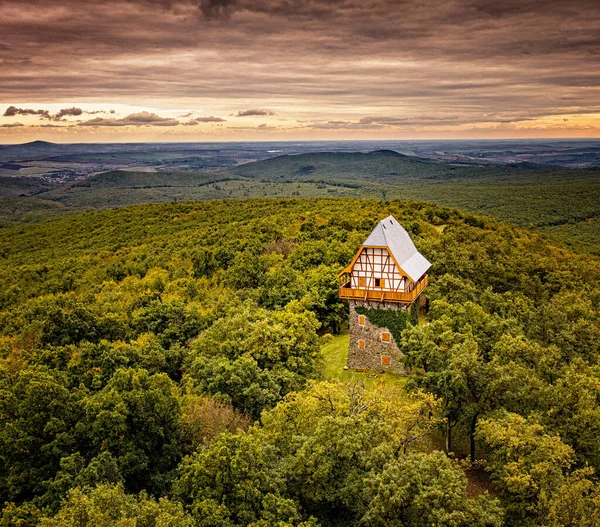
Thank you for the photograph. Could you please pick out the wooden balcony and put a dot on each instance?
(379, 295)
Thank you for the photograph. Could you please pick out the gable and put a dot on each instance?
(375, 260)
(390, 234)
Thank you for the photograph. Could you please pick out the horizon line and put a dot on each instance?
(308, 141)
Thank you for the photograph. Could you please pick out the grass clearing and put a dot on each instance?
(335, 354)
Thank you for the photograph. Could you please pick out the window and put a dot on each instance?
(379, 282)
(361, 281)
(386, 337)
(361, 344)
(386, 360)
(361, 320)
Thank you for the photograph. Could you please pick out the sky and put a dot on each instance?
(252, 70)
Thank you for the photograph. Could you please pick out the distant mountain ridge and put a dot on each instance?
(32, 149)
(40, 144)
(37, 143)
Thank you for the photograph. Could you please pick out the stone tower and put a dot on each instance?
(381, 284)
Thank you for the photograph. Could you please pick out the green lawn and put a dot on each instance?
(335, 354)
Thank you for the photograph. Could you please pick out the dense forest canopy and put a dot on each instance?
(162, 365)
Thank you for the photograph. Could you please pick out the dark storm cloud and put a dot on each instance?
(135, 119)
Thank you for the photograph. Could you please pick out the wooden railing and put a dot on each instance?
(406, 297)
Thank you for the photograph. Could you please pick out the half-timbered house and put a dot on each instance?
(387, 273)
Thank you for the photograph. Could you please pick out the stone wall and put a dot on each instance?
(375, 352)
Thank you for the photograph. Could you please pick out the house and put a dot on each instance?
(381, 284)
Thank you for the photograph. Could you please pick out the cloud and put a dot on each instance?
(418, 120)
(327, 62)
(248, 113)
(12, 125)
(198, 120)
(95, 112)
(343, 125)
(71, 112)
(135, 119)
(216, 8)
(12, 111)
(14, 61)
(390, 121)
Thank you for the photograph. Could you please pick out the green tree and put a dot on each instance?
(577, 417)
(252, 357)
(441, 363)
(575, 503)
(74, 471)
(37, 414)
(323, 297)
(110, 506)
(137, 418)
(527, 463)
(233, 482)
(426, 489)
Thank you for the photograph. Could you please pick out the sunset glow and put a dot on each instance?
(218, 70)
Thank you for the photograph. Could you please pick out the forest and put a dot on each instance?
(562, 203)
(164, 365)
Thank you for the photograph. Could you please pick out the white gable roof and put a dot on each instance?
(389, 233)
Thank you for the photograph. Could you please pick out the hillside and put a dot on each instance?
(133, 337)
(13, 187)
(119, 188)
(122, 188)
(562, 203)
(341, 166)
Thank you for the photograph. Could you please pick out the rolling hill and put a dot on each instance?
(12, 187)
(562, 202)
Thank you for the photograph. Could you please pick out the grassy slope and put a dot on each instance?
(12, 187)
(380, 165)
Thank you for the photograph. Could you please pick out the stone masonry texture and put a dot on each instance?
(371, 356)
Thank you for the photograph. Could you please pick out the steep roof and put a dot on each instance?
(389, 233)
